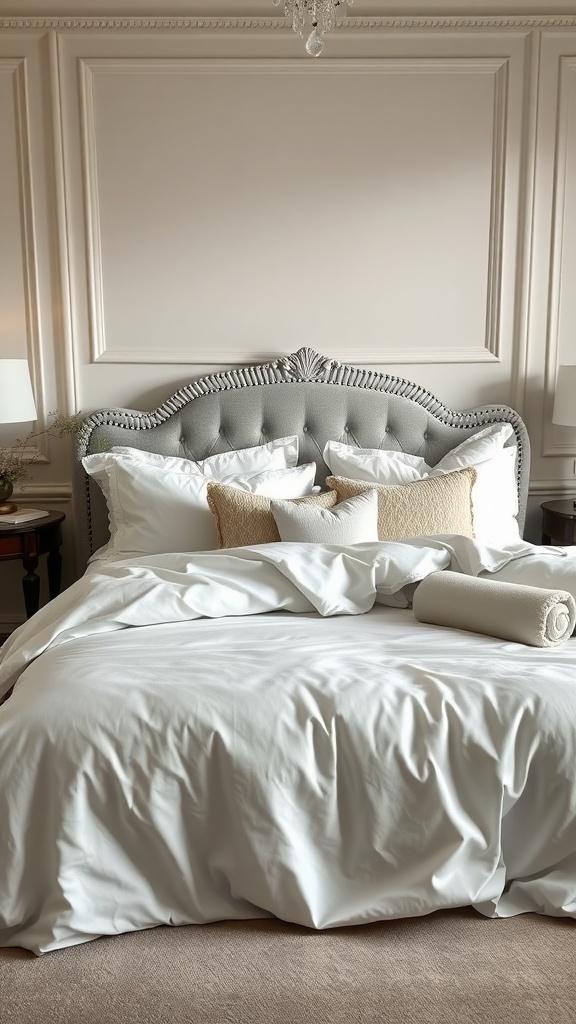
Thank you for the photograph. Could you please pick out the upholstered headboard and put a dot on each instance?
(307, 394)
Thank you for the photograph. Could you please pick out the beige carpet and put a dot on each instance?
(454, 967)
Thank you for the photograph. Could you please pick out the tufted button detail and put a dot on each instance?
(387, 430)
(426, 434)
(304, 430)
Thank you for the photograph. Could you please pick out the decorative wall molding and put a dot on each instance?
(558, 278)
(50, 493)
(496, 230)
(158, 24)
(92, 206)
(552, 488)
(526, 192)
(497, 68)
(15, 69)
(67, 349)
(360, 354)
(155, 24)
(462, 21)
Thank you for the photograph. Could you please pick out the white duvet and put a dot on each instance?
(275, 738)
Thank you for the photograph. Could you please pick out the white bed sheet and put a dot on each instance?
(327, 771)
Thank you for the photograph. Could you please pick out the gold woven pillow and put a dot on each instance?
(245, 518)
(436, 504)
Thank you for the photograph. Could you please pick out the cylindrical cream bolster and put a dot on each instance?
(511, 611)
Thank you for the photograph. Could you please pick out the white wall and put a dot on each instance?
(185, 192)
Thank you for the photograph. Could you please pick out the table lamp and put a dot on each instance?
(565, 399)
(17, 405)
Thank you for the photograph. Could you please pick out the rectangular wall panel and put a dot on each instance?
(13, 321)
(20, 335)
(226, 200)
(561, 311)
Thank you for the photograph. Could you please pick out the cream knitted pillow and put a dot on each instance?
(439, 504)
(245, 518)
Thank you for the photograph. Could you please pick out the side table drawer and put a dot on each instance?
(10, 546)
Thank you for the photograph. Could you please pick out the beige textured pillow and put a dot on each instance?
(244, 518)
(439, 504)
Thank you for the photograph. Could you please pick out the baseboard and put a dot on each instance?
(7, 626)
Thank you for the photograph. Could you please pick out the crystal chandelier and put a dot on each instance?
(321, 15)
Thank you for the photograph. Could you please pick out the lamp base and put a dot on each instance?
(7, 507)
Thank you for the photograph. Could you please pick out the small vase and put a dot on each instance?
(6, 488)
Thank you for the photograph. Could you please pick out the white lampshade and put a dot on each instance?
(16, 396)
(565, 397)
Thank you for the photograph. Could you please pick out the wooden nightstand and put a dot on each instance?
(559, 522)
(27, 542)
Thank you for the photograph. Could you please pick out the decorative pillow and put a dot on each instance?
(373, 464)
(353, 521)
(495, 494)
(482, 445)
(424, 508)
(152, 510)
(241, 518)
(281, 453)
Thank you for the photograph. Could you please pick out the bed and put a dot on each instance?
(236, 713)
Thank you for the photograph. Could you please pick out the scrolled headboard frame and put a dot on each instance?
(304, 393)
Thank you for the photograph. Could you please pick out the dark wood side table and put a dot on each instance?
(559, 522)
(27, 542)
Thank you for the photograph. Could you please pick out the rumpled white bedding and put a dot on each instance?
(335, 766)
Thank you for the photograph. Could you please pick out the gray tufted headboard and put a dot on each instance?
(307, 394)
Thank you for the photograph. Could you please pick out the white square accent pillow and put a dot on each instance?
(153, 510)
(353, 521)
(494, 495)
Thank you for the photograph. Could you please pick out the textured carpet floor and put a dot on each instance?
(448, 967)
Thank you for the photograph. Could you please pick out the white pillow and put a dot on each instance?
(373, 464)
(353, 521)
(494, 498)
(494, 495)
(153, 510)
(483, 445)
(282, 453)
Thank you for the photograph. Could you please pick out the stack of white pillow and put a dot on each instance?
(159, 503)
(494, 494)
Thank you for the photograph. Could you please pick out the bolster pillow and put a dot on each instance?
(511, 611)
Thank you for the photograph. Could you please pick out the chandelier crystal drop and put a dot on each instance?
(319, 14)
